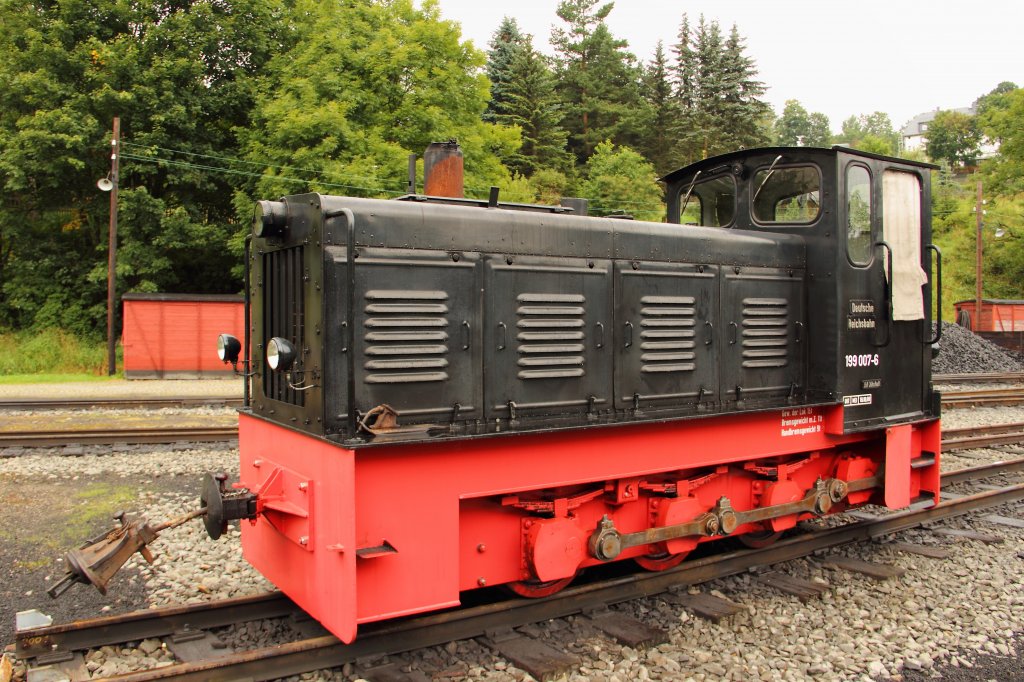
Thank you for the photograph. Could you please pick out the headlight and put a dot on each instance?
(280, 353)
(228, 348)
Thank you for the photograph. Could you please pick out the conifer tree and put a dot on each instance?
(662, 111)
(507, 40)
(598, 77)
(718, 93)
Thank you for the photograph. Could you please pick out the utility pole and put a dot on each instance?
(115, 154)
(979, 212)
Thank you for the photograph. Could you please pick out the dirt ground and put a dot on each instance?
(41, 520)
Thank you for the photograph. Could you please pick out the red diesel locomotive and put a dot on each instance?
(449, 394)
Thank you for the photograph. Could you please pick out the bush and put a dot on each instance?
(51, 351)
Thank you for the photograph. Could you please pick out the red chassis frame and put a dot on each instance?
(355, 536)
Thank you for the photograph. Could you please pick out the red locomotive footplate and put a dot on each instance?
(355, 536)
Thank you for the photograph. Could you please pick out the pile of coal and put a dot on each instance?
(961, 351)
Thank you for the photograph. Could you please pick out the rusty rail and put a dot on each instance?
(982, 436)
(119, 403)
(980, 378)
(983, 398)
(154, 434)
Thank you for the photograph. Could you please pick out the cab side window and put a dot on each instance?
(710, 202)
(858, 214)
(787, 195)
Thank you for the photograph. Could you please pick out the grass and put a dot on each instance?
(51, 355)
(52, 378)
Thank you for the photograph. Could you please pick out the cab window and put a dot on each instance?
(787, 195)
(858, 214)
(711, 202)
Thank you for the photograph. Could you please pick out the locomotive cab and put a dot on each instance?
(866, 222)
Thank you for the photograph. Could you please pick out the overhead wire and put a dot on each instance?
(635, 205)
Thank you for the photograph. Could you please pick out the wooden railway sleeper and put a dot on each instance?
(606, 543)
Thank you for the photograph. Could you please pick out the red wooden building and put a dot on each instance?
(174, 336)
(1002, 320)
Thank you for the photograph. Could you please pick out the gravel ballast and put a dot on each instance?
(939, 613)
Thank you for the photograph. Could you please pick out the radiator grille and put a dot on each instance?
(667, 334)
(550, 332)
(406, 336)
(765, 332)
(283, 316)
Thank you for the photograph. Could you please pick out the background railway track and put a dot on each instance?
(63, 645)
(118, 403)
(953, 439)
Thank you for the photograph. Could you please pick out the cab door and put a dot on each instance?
(881, 351)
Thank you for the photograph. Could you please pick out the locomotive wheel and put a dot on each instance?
(535, 589)
(759, 539)
(660, 562)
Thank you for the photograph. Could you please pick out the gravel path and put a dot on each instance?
(941, 615)
(122, 388)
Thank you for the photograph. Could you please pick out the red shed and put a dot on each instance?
(174, 336)
(1002, 320)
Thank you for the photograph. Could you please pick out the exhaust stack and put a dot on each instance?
(443, 170)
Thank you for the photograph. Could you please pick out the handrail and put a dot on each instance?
(888, 284)
(938, 295)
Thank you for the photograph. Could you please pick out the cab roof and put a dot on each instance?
(823, 152)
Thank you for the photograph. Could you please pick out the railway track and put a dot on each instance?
(952, 439)
(983, 398)
(133, 436)
(980, 378)
(119, 403)
(61, 646)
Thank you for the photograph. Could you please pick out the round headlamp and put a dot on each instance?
(228, 348)
(280, 354)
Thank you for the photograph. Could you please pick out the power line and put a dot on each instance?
(636, 205)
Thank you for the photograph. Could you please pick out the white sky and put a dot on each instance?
(841, 58)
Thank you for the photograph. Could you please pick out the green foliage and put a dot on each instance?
(719, 97)
(597, 77)
(523, 96)
(506, 42)
(870, 132)
(52, 351)
(953, 137)
(550, 186)
(797, 126)
(180, 75)
(364, 85)
(661, 122)
(1002, 122)
(619, 180)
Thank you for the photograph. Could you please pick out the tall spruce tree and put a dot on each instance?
(662, 117)
(523, 95)
(598, 77)
(718, 93)
(506, 41)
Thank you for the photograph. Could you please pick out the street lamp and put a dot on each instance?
(109, 184)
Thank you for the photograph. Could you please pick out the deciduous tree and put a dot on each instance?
(953, 137)
(619, 180)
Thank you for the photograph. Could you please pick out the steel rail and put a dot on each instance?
(138, 625)
(151, 434)
(980, 378)
(415, 633)
(118, 403)
(953, 439)
(982, 436)
(983, 398)
(418, 632)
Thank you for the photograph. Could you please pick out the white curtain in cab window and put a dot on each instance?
(901, 228)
